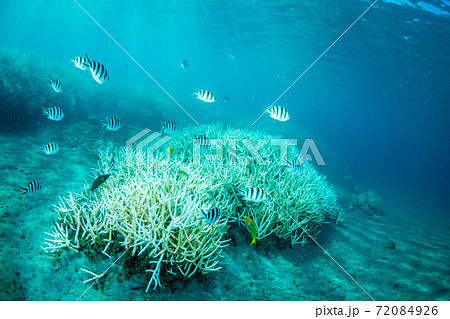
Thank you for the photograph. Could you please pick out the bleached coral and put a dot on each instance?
(297, 202)
(151, 205)
(146, 210)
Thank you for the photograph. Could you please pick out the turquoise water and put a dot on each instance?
(376, 105)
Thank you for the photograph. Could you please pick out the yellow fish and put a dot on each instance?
(252, 227)
(182, 173)
(170, 150)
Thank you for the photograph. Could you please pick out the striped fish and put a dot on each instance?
(293, 165)
(253, 194)
(112, 166)
(50, 148)
(53, 113)
(211, 216)
(31, 188)
(205, 96)
(112, 124)
(202, 142)
(56, 85)
(169, 127)
(98, 70)
(79, 62)
(278, 113)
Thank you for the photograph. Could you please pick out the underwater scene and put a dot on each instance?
(224, 150)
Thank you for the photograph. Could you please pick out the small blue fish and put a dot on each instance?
(56, 85)
(112, 124)
(184, 63)
(211, 216)
(31, 188)
(53, 113)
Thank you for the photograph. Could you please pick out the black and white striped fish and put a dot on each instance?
(278, 113)
(112, 124)
(169, 127)
(112, 166)
(211, 216)
(50, 148)
(293, 165)
(202, 142)
(79, 62)
(31, 188)
(53, 113)
(253, 194)
(56, 85)
(98, 70)
(205, 96)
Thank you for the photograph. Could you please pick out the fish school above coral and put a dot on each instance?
(154, 206)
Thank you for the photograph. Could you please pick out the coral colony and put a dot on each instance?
(151, 207)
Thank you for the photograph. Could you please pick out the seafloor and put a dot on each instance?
(415, 269)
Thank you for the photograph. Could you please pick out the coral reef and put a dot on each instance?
(147, 211)
(297, 202)
(151, 206)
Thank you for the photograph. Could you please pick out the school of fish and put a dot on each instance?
(100, 74)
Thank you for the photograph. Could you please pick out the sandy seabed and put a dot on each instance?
(416, 269)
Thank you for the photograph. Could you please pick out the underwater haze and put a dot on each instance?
(375, 103)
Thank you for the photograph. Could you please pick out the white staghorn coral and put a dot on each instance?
(147, 210)
(297, 202)
(150, 206)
